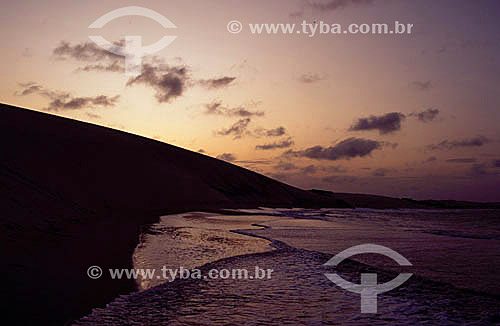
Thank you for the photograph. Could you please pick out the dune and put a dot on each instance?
(75, 195)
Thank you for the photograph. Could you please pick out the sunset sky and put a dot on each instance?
(411, 115)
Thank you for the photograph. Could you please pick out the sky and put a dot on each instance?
(407, 115)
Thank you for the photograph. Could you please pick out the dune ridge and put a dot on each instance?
(75, 195)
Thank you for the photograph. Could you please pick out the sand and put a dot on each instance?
(194, 239)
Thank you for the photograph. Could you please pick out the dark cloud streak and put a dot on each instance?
(276, 132)
(477, 141)
(332, 5)
(227, 157)
(426, 115)
(217, 82)
(238, 129)
(169, 82)
(346, 149)
(310, 78)
(385, 124)
(286, 143)
(339, 179)
(61, 101)
(461, 160)
(216, 108)
(86, 52)
(422, 86)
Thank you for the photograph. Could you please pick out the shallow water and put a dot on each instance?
(297, 294)
(449, 250)
(192, 240)
(453, 246)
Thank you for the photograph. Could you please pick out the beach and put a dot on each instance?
(74, 195)
(295, 244)
(70, 209)
(194, 239)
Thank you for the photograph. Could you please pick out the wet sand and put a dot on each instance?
(194, 239)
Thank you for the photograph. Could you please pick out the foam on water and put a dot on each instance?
(450, 286)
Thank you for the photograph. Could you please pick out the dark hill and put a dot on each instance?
(73, 194)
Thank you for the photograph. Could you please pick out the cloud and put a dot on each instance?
(238, 129)
(430, 159)
(216, 108)
(382, 172)
(346, 149)
(332, 5)
(310, 169)
(114, 66)
(226, 157)
(461, 160)
(385, 124)
(34, 88)
(285, 166)
(169, 82)
(339, 179)
(60, 101)
(254, 162)
(276, 132)
(29, 88)
(391, 122)
(216, 82)
(422, 86)
(95, 58)
(426, 115)
(477, 141)
(328, 5)
(478, 170)
(334, 169)
(88, 52)
(93, 115)
(310, 78)
(76, 103)
(276, 145)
